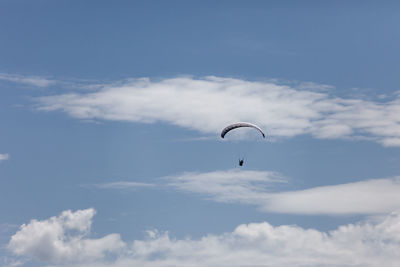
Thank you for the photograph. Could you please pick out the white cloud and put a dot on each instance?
(268, 191)
(4, 157)
(260, 188)
(12, 262)
(365, 197)
(28, 80)
(369, 243)
(208, 104)
(63, 238)
(229, 186)
(123, 185)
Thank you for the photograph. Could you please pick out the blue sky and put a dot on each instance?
(110, 149)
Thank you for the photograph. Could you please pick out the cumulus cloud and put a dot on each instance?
(260, 188)
(207, 104)
(4, 157)
(369, 243)
(27, 80)
(63, 239)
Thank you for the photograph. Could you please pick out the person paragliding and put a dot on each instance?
(239, 125)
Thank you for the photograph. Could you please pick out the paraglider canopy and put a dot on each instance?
(238, 125)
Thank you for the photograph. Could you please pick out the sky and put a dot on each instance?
(111, 114)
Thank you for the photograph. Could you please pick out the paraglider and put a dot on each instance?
(239, 125)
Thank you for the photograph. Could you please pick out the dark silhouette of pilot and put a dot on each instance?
(241, 162)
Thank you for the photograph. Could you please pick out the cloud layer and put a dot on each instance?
(207, 104)
(370, 243)
(261, 188)
(269, 192)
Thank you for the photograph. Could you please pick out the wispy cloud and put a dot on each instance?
(269, 192)
(4, 157)
(123, 185)
(207, 104)
(27, 80)
(250, 187)
(368, 243)
(7, 262)
(259, 188)
(365, 197)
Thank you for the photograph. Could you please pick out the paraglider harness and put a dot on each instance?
(241, 162)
